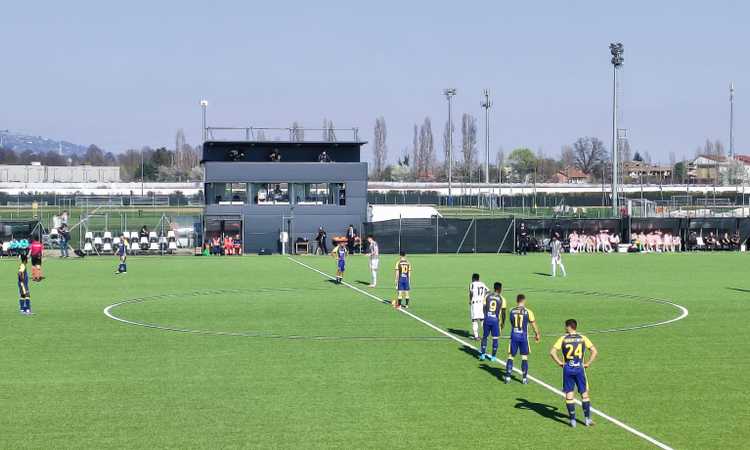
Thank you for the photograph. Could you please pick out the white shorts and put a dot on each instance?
(374, 263)
(477, 311)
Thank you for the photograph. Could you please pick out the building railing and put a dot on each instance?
(288, 134)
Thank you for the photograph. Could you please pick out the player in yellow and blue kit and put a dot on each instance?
(403, 281)
(573, 347)
(24, 298)
(122, 254)
(494, 320)
(520, 317)
(339, 252)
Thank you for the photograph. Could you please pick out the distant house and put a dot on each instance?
(642, 171)
(708, 168)
(571, 175)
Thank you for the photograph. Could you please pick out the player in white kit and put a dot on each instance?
(556, 249)
(477, 293)
(374, 252)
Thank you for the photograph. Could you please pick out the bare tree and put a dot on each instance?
(380, 149)
(415, 161)
(719, 149)
(589, 154)
(567, 156)
(426, 155)
(297, 132)
(468, 143)
(500, 159)
(179, 144)
(626, 153)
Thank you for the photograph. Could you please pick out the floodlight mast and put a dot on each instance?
(449, 94)
(731, 120)
(204, 105)
(486, 104)
(616, 49)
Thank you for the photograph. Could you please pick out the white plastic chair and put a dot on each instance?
(134, 247)
(87, 247)
(172, 246)
(116, 240)
(107, 247)
(98, 240)
(89, 236)
(170, 234)
(107, 235)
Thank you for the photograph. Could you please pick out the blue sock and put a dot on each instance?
(509, 367)
(571, 409)
(21, 304)
(587, 409)
(494, 347)
(525, 367)
(27, 304)
(484, 345)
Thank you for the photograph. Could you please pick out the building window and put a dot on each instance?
(271, 193)
(313, 194)
(226, 193)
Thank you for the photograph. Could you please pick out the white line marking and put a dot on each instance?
(547, 386)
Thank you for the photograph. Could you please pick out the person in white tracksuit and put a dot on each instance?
(556, 249)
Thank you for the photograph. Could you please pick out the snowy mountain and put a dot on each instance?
(22, 142)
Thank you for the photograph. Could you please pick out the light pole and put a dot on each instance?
(204, 105)
(731, 120)
(449, 93)
(487, 104)
(616, 49)
(142, 193)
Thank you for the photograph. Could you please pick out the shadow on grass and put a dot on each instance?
(460, 332)
(542, 274)
(738, 289)
(544, 410)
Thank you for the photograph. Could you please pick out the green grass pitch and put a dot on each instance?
(271, 354)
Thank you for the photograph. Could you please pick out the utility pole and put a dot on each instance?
(487, 104)
(616, 49)
(449, 94)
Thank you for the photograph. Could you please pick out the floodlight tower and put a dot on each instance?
(731, 120)
(616, 49)
(204, 105)
(449, 94)
(486, 104)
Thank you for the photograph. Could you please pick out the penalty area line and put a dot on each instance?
(466, 344)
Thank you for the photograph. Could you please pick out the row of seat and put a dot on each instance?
(106, 243)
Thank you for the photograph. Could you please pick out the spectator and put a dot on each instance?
(237, 245)
(523, 239)
(216, 246)
(735, 241)
(143, 232)
(275, 156)
(64, 217)
(64, 238)
(321, 240)
(324, 158)
(228, 245)
(351, 236)
(36, 260)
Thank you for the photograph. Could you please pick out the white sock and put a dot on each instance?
(374, 277)
(475, 327)
(554, 269)
(562, 268)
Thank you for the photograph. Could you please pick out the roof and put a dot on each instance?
(573, 172)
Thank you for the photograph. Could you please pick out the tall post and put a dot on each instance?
(731, 120)
(616, 49)
(142, 172)
(204, 134)
(449, 93)
(487, 104)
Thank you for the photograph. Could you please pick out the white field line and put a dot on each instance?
(545, 385)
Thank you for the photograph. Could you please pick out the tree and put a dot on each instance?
(380, 149)
(679, 171)
(415, 152)
(426, 149)
(637, 157)
(468, 143)
(94, 156)
(567, 156)
(625, 152)
(500, 160)
(297, 132)
(589, 154)
(523, 162)
(448, 131)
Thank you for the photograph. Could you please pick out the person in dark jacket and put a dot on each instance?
(321, 240)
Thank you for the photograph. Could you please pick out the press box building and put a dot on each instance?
(248, 194)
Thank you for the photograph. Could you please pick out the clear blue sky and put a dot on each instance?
(131, 73)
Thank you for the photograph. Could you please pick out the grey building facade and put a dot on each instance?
(248, 195)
